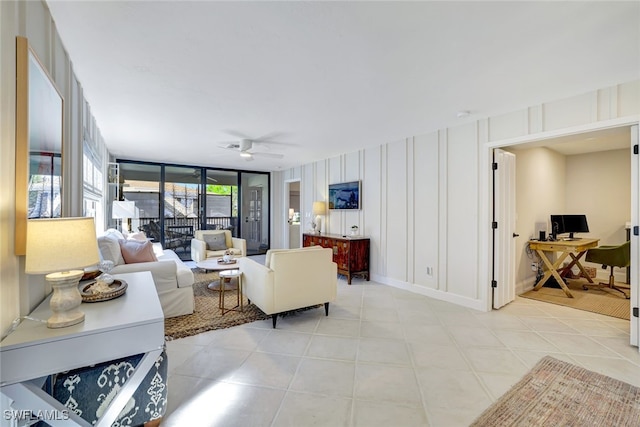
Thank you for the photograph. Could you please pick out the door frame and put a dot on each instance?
(485, 265)
(287, 193)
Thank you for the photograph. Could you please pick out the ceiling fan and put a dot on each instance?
(245, 148)
(195, 175)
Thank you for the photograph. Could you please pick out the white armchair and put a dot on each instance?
(200, 251)
(291, 279)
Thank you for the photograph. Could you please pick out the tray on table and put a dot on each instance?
(90, 293)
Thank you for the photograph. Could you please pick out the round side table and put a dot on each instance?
(212, 264)
(225, 278)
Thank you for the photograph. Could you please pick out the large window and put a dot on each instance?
(93, 184)
(174, 201)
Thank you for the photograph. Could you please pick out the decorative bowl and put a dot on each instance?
(96, 292)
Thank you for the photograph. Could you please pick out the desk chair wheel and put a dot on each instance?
(611, 284)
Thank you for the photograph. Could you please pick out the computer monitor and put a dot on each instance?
(562, 224)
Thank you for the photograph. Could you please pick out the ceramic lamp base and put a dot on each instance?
(65, 300)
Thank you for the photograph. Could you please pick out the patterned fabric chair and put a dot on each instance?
(88, 391)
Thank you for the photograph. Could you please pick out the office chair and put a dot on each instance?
(612, 256)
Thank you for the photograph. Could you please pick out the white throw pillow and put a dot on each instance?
(110, 249)
(140, 236)
(115, 232)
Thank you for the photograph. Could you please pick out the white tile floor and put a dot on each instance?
(383, 357)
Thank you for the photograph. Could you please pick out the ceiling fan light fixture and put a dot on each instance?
(245, 154)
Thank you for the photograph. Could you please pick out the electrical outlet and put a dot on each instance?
(534, 266)
(429, 271)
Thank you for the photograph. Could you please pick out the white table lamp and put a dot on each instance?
(319, 209)
(56, 247)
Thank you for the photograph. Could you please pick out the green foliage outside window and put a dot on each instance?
(224, 190)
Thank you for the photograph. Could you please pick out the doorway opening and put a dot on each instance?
(583, 173)
(292, 231)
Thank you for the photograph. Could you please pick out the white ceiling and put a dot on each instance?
(588, 142)
(171, 80)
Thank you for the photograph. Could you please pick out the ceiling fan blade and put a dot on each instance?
(235, 133)
(269, 137)
(270, 155)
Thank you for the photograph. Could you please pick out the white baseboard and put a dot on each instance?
(475, 304)
(525, 285)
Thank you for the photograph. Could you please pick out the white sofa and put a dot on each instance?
(173, 279)
(200, 252)
(290, 279)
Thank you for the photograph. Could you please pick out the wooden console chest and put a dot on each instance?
(351, 253)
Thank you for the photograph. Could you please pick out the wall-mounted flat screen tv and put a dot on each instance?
(345, 195)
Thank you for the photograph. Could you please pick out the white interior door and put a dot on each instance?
(504, 218)
(635, 239)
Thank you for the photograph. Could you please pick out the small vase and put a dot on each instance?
(106, 266)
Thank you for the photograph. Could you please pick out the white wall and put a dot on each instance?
(20, 293)
(599, 185)
(540, 191)
(426, 198)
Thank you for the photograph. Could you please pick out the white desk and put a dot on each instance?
(125, 326)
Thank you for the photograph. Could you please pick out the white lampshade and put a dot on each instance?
(123, 210)
(319, 208)
(60, 244)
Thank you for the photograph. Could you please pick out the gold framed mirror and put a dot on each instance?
(39, 133)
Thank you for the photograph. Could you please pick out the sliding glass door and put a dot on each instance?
(181, 208)
(221, 201)
(174, 201)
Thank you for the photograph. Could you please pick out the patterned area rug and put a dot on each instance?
(556, 393)
(207, 316)
(604, 301)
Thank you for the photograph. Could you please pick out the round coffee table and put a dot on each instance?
(214, 265)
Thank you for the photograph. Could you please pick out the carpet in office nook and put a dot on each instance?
(603, 301)
(207, 316)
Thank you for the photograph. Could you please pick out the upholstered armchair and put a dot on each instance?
(290, 279)
(612, 256)
(214, 244)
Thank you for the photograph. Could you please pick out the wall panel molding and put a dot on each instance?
(441, 274)
(536, 120)
(383, 208)
(411, 206)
